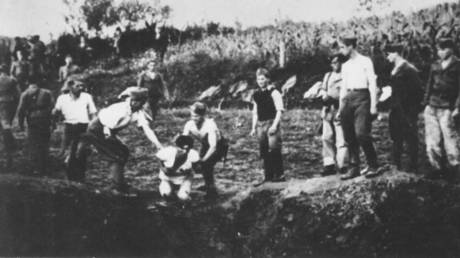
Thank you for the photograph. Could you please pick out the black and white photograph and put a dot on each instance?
(228, 129)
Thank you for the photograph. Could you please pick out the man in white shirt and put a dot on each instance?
(78, 110)
(102, 131)
(358, 105)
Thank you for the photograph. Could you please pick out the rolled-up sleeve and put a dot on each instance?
(278, 100)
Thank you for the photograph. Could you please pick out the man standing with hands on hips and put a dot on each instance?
(357, 107)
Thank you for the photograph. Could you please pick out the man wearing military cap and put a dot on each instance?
(102, 134)
(442, 101)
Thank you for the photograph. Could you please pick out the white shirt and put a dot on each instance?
(76, 110)
(168, 156)
(277, 100)
(120, 115)
(357, 73)
(209, 128)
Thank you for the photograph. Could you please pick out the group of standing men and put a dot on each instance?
(350, 99)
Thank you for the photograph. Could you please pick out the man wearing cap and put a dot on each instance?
(9, 96)
(442, 101)
(405, 103)
(35, 107)
(358, 104)
(78, 110)
(102, 134)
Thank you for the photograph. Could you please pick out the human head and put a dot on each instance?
(68, 59)
(138, 99)
(393, 52)
(336, 62)
(75, 87)
(151, 65)
(198, 112)
(184, 142)
(446, 48)
(347, 45)
(263, 77)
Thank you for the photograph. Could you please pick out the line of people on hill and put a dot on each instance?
(349, 95)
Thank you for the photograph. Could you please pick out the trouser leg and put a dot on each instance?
(341, 146)
(347, 119)
(208, 174)
(363, 127)
(411, 136)
(396, 133)
(449, 136)
(38, 138)
(328, 140)
(275, 156)
(433, 138)
(262, 134)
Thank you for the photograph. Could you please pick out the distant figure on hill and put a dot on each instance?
(117, 41)
(153, 81)
(9, 97)
(65, 71)
(358, 107)
(405, 103)
(21, 70)
(266, 118)
(37, 56)
(442, 110)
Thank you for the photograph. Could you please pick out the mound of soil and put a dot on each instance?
(396, 214)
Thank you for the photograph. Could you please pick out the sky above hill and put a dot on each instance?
(45, 17)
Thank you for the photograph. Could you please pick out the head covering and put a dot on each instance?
(444, 43)
(184, 141)
(394, 48)
(140, 94)
(349, 40)
(199, 108)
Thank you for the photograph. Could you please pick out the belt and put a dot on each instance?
(358, 90)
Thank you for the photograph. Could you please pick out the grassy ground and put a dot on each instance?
(301, 149)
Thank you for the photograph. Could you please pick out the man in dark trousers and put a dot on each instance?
(443, 104)
(9, 96)
(35, 107)
(357, 107)
(405, 104)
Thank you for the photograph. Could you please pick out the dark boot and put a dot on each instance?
(352, 173)
(277, 164)
(328, 170)
(268, 168)
(118, 179)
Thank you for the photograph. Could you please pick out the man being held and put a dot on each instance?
(358, 105)
(35, 106)
(78, 110)
(443, 102)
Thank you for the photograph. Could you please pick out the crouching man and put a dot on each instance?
(177, 164)
(102, 131)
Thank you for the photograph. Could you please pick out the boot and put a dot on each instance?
(277, 165)
(352, 173)
(328, 170)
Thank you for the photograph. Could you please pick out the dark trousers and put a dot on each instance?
(154, 104)
(270, 150)
(207, 167)
(403, 128)
(70, 140)
(38, 133)
(111, 149)
(357, 124)
(7, 112)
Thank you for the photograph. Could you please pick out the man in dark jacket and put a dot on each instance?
(35, 106)
(443, 102)
(406, 99)
(9, 96)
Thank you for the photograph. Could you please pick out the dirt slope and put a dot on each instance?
(394, 215)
